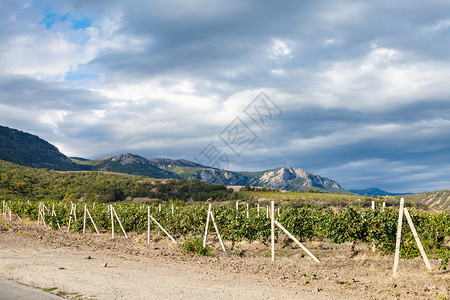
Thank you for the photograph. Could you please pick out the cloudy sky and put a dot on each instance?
(361, 87)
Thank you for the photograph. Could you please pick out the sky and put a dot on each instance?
(356, 91)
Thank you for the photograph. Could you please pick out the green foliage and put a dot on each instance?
(18, 182)
(195, 245)
(307, 222)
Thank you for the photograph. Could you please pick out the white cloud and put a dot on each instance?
(383, 79)
(281, 49)
(53, 118)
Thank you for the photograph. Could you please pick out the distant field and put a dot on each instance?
(436, 200)
(319, 199)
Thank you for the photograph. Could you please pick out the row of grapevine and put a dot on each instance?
(346, 225)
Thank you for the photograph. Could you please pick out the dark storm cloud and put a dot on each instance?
(30, 93)
(363, 85)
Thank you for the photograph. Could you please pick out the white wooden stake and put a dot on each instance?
(237, 208)
(416, 237)
(257, 208)
(39, 214)
(207, 225)
(297, 242)
(70, 218)
(384, 205)
(120, 223)
(399, 236)
(373, 240)
(172, 208)
(92, 220)
(278, 209)
(160, 207)
(84, 219)
(148, 224)
(272, 228)
(54, 214)
(247, 212)
(112, 221)
(162, 228)
(217, 231)
(267, 212)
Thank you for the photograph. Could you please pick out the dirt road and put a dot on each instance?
(89, 266)
(104, 275)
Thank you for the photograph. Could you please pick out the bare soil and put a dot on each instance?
(94, 266)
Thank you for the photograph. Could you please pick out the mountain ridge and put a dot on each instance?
(41, 154)
(30, 150)
(375, 192)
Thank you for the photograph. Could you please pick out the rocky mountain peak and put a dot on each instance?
(128, 158)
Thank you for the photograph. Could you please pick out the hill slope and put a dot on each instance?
(438, 200)
(30, 150)
(127, 163)
(281, 178)
(375, 192)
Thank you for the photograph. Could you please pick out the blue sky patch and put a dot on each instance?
(81, 23)
(75, 76)
(50, 19)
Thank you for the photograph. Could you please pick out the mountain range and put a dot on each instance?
(375, 192)
(30, 150)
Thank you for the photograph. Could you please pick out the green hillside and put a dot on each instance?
(30, 150)
(25, 183)
(438, 200)
(126, 163)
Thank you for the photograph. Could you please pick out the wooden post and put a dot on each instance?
(399, 236)
(272, 228)
(217, 231)
(39, 214)
(384, 205)
(92, 220)
(247, 212)
(297, 242)
(207, 225)
(267, 212)
(84, 220)
(112, 221)
(120, 223)
(160, 207)
(172, 208)
(373, 240)
(257, 208)
(162, 228)
(54, 214)
(237, 208)
(416, 237)
(278, 209)
(148, 224)
(70, 218)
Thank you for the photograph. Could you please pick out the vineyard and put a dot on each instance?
(241, 224)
